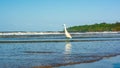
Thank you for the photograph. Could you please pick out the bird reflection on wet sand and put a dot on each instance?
(68, 48)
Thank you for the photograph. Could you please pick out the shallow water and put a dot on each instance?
(49, 51)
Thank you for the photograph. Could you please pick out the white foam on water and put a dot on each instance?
(47, 33)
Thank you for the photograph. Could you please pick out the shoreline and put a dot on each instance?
(98, 58)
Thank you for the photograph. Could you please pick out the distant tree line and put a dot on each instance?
(96, 27)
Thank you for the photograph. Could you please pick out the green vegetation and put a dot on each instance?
(96, 27)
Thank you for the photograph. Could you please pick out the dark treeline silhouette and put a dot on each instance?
(96, 27)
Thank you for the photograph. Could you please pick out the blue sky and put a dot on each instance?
(49, 15)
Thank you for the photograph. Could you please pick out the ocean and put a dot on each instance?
(53, 50)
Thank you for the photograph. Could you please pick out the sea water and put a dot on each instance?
(49, 51)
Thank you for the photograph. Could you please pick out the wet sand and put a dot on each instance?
(96, 58)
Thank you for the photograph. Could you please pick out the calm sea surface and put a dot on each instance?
(49, 51)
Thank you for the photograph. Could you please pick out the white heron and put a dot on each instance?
(67, 34)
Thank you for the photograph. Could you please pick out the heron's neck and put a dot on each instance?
(65, 27)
